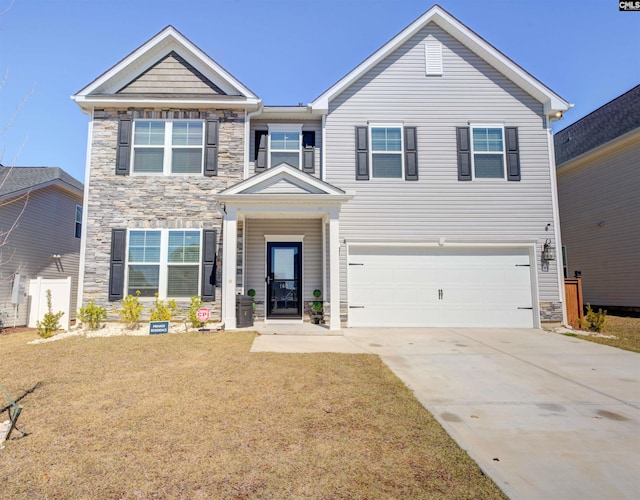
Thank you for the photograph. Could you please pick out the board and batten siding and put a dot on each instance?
(307, 126)
(46, 227)
(438, 205)
(599, 207)
(255, 254)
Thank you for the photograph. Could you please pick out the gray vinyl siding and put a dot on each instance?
(603, 189)
(46, 227)
(307, 126)
(255, 255)
(438, 205)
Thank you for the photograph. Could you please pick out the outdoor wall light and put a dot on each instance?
(548, 252)
(56, 256)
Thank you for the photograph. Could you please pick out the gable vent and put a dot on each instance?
(433, 57)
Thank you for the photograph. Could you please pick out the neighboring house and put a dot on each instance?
(41, 227)
(598, 160)
(419, 190)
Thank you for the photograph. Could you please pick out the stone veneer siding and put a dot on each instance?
(153, 201)
(550, 311)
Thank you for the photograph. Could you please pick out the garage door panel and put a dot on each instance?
(415, 286)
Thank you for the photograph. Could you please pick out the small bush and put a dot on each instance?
(161, 311)
(317, 305)
(593, 321)
(196, 303)
(92, 315)
(131, 310)
(50, 322)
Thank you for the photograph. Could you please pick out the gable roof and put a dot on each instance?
(608, 122)
(15, 181)
(553, 103)
(115, 85)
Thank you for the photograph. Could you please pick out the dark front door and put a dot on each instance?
(284, 297)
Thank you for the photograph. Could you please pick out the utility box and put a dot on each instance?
(244, 311)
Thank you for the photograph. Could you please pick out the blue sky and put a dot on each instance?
(286, 51)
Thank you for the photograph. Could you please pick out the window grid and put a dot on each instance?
(386, 151)
(168, 147)
(488, 151)
(284, 147)
(166, 262)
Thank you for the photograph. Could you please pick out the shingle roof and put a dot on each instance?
(16, 179)
(612, 120)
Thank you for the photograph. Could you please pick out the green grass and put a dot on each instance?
(199, 416)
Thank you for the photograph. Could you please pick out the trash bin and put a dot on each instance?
(244, 311)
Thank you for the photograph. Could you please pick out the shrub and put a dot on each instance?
(131, 310)
(317, 305)
(196, 303)
(92, 315)
(50, 322)
(593, 321)
(161, 311)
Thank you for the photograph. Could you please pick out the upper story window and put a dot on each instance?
(386, 151)
(165, 262)
(78, 228)
(285, 143)
(488, 152)
(284, 147)
(167, 147)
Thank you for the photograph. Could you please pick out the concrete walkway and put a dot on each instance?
(544, 415)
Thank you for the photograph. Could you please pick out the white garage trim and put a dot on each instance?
(440, 269)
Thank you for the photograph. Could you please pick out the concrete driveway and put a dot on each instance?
(544, 415)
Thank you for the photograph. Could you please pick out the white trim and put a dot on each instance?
(283, 128)
(284, 238)
(164, 42)
(85, 214)
(556, 219)
(386, 125)
(163, 264)
(551, 101)
(167, 148)
(500, 126)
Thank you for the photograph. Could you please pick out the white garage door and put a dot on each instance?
(408, 286)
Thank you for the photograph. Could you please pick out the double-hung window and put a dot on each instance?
(386, 151)
(78, 227)
(168, 147)
(166, 262)
(488, 152)
(284, 145)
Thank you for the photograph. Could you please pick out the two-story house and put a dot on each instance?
(419, 190)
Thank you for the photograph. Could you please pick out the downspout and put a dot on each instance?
(247, 131)
(556, 217)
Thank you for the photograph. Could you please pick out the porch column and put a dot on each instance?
(334, 271)
(229, 264)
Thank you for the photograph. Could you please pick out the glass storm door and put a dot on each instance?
(284, 297)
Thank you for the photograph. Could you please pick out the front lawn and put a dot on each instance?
(199, 416)
(619, 331)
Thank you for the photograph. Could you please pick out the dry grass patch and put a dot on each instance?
(619, 331)
(199, 416)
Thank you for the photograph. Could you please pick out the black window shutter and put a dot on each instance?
(464, 153)
(211, 148)
(116, 269)
(123, 150)
(513, 153)
(362, 153)
(410, 154)
(208, 289)
(308, 152)
(262, 137)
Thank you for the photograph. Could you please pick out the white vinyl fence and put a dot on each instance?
(60, 300)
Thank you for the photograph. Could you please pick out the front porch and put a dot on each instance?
(287, 248)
